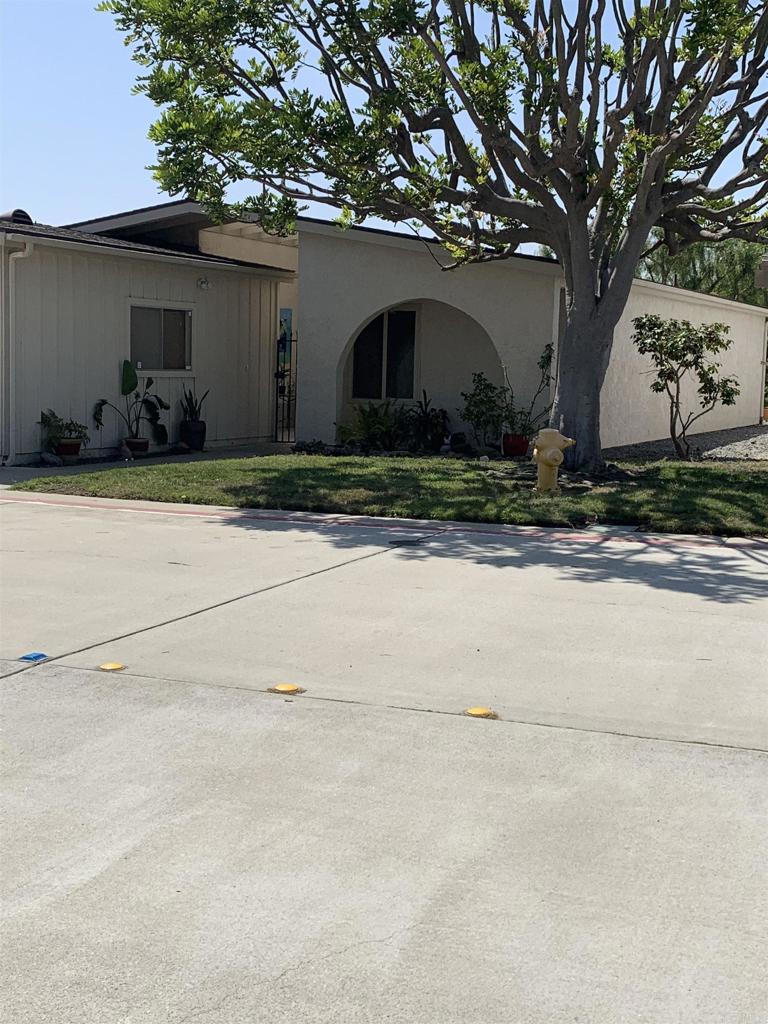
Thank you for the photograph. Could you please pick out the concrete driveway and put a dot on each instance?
(182, 845)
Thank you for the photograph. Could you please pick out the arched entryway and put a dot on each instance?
(421, 345)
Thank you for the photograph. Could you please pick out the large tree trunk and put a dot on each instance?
(585, 347)
(583, 354)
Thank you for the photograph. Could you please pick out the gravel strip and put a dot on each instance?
(749, 443)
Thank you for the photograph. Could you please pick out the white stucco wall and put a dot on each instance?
(631, 412)
(453, 347)
(346, 278)
(72, 332)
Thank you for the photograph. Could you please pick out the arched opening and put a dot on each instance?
(411, 347)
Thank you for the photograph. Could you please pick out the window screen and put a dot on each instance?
(401, 335)
(159, 338)
(366, 360)
(146, 337)
(174, 339)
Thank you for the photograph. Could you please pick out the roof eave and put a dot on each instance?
(144, 215)
(148, 254)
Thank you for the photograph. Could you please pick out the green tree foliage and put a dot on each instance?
(578, 125)
(727, 269)
(678, 350)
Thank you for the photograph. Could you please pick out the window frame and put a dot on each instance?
(188, 307)
(411, 308)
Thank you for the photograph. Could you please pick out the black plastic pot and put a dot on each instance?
(137, 445)
(192, 434)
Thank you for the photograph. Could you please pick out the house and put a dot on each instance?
(75, 303)
(367, 314)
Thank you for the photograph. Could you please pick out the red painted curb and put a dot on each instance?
(437, 527)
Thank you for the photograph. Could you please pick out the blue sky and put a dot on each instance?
(73, 136)
(74, 139)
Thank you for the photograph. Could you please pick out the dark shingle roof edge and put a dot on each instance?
(65, 234)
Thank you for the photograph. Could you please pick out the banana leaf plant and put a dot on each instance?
(140, 405)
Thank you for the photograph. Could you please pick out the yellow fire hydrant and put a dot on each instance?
(548, 456)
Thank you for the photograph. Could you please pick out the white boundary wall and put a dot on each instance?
(346, 278)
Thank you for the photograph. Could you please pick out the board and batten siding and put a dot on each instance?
(73, 331)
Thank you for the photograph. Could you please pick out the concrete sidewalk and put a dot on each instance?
(182, 845)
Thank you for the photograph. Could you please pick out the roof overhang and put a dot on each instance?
(183, 211)
(105, 248)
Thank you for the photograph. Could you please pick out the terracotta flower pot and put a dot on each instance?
(68, 447)
(514, 444)
(137, 445)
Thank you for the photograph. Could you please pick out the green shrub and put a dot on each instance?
(428, 426)
(377, 426)
(483, 410)
(57, 429)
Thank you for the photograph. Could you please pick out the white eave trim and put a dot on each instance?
(117, 251)
(699, 297)
(371, 236)
(155, 214)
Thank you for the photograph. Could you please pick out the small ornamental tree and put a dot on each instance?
(678, 350)
(580, 125)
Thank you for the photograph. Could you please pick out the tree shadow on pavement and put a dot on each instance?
(726, 574)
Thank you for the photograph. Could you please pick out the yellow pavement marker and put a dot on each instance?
(480, 713)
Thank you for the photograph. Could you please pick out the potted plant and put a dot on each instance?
(192, 428)
(140, 405)
(63, 437)
(522, 424)
(517, 437)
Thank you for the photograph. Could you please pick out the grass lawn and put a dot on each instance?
(722, 498)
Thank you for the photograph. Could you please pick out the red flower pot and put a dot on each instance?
(67, 446)
(514, 444)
